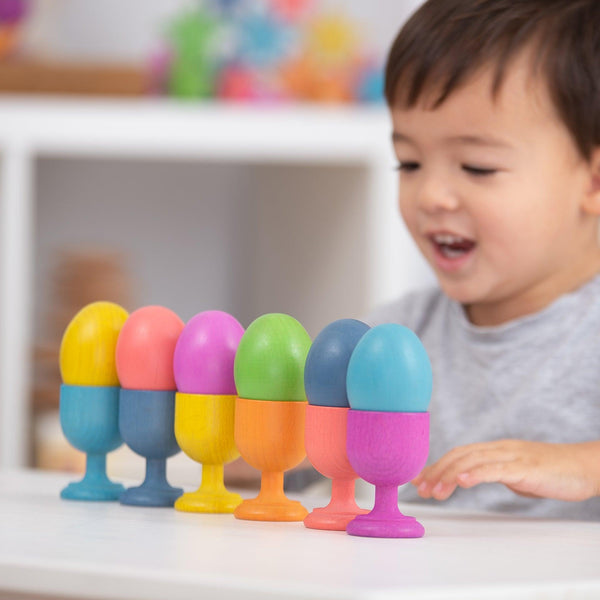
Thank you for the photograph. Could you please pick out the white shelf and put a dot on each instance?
(161, 128)
(273, 136)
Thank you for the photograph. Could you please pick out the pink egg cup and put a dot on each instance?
(325, 442)
(387, 449)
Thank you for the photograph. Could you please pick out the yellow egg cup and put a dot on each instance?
(204, 429)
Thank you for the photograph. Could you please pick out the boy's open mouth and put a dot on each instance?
(451, 246)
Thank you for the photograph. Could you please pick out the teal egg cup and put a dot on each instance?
(89, 417)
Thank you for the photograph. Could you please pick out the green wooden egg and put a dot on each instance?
(269, 363)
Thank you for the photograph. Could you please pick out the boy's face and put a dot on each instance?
(493, 192)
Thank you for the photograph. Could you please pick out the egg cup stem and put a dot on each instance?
(271, 504)
(342, 496)
(155, 490)
(95, 467)
(212, 496)
(271, 487)
(156, 473)
(386, 502)
(95, 485)
(212, 478)
(342, 508)
(386, 520)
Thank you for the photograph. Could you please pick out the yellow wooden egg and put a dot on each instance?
(87, 350)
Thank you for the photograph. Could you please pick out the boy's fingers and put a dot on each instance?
(424, 474)
(417, 480)
(430, 475)
(442, 490)
(444, 475)
(478, 462)
(508, 473)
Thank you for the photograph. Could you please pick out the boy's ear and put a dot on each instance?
(592, 201)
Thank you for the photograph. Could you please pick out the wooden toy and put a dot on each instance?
(270, 411)
(291, 10)
(237, 82)
(89, 396)
(326, 420)
(262, 40)
(369, 81)
(332, 39)
(144, 356)
(205, 406)
(389, 384)
(194, 39)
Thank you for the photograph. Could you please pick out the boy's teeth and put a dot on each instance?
(446, 238)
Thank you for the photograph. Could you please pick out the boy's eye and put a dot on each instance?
(407, 166)
(478, 171)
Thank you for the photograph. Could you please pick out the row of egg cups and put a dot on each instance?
(387, 447)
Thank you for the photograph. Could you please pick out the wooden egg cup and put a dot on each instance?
(387, 449)
(204, 427)
(325, 440)
(270, 437)
(89, 417)
(146, 422)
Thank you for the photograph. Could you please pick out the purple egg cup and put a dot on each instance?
(387, 449)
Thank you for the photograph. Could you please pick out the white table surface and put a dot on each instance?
(55, 548)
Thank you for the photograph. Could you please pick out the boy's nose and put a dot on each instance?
(436, 196)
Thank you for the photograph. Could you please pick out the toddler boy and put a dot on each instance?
(495, 107)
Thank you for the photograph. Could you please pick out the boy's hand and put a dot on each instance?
(534, 469)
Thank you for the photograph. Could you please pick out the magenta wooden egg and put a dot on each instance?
(205, 353)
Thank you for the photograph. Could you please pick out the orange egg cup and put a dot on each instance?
(325, 439)
(269, 435)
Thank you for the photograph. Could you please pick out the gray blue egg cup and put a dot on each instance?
(147, 425)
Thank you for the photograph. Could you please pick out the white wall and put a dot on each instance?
(139, 208)
(200, 236)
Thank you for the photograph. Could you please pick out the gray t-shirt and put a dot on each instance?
(534, 378)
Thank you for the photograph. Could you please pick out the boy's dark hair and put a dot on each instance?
(446, 41)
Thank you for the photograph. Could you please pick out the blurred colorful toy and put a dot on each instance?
(262, 40)
(269, 50)
(332, 39)
(12, 14)
(291, 10)
(370, 83)
(194, 65)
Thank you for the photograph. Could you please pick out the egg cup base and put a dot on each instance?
(259, 509)
(208, 502)
(92, 491)
(149, 495)
(331, 519)
(399, 527)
